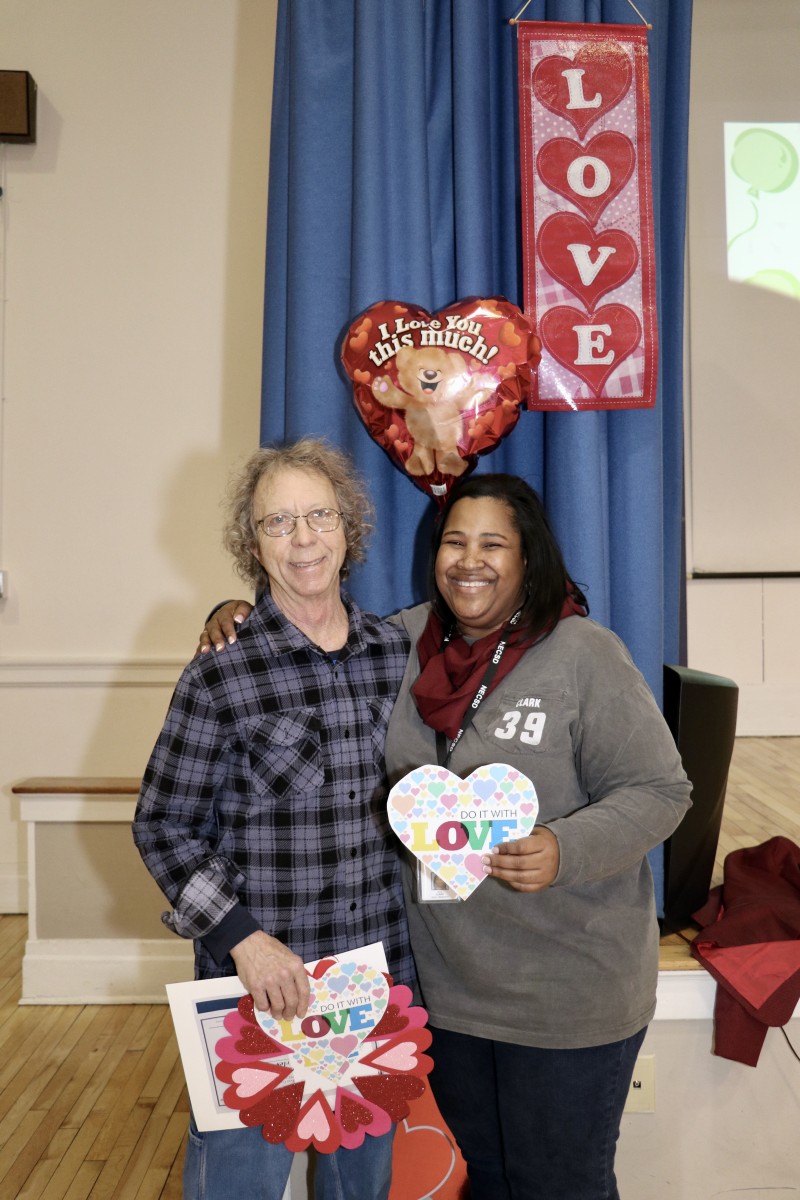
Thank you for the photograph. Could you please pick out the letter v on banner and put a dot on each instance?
(587, 214)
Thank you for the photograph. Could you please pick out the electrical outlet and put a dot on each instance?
(642, 1094)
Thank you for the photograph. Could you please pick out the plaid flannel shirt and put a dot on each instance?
(264, 801)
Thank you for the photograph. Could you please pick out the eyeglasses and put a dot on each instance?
(281, 524)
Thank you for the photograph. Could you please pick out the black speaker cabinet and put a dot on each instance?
(700, 710)
(17, 107)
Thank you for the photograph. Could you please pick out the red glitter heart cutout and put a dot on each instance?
(391, 1022)
(352, 1114)
(390, 1092)
(277, 1112)
(254, 1043)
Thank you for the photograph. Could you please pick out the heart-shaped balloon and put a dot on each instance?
(438, 390)
(583, 88)
(589, 264)
(347, 1002)
(454, 821)
(591, 346)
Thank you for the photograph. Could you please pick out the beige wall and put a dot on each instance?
(132, 275)
(743, 422)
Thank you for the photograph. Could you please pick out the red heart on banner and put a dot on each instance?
(584, 88)
(589, 264)
(437, 390)
(589, 176)
(592, 347)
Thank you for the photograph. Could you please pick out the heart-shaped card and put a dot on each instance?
(347, 1004)
(344, 1071)
(448, 823)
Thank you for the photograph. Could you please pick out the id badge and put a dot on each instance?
(431, 889)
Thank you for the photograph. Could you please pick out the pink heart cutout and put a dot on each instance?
(314, 1123)
(344, 1045)
(251, 1080)
(402, 1056)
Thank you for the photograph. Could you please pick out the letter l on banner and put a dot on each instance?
(587, 214)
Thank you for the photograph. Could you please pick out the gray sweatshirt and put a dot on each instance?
(576, 964)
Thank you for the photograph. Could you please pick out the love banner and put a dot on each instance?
(587, 214)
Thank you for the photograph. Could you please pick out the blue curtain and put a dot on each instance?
(394, 173)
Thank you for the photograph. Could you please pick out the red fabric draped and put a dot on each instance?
(449, 677)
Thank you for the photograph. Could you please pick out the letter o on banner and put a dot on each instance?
(601, 176)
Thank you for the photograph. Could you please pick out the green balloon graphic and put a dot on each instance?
(777, 281)
(765, 160)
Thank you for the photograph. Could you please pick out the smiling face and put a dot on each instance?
(480, 570)
(304, 566)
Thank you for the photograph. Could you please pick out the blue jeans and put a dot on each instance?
(240, 1163)
(534, 1124)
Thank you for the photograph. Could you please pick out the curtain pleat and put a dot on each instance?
(394, 174)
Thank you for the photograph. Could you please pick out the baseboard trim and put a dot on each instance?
(768, 710)
(103, 970)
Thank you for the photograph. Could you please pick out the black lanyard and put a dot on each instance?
(443, 750)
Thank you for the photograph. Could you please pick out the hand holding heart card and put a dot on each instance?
(448, 822)
(345, 1070)
(437, 390)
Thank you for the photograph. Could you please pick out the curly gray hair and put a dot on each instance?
(240, 536)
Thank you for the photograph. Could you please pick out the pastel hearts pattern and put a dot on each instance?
(567, 242)
(624, 333)
(453, 821)
(559, 165)
(326, 1057)
(605, 74)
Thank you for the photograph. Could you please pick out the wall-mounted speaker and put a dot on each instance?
(17, 107)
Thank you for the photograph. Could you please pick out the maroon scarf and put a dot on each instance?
(450, 677)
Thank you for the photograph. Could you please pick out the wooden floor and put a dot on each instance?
(92, 1101)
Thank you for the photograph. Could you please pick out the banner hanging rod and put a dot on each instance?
(515, 20)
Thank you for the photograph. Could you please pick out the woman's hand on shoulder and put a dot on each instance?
(220, 628)
(528, 865)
